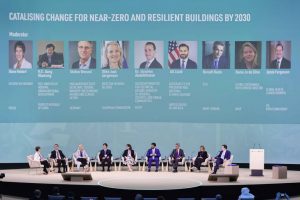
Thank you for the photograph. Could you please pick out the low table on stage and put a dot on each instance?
(223, 177)
(279, 172)
(76, 176)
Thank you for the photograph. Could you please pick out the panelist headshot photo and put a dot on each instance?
(82, 54)
(182, 54)
(50, 54)
(149, 54)
(20, 54)
(278, 54)
(215, 55)
(115, 54)
(248, 55)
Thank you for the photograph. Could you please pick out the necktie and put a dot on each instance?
(49, 60)
(278, 64)
(57, 156)
(147, 64)
(216, 64)
(81, 154)
(182, 64)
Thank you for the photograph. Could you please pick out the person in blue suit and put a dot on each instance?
(153, 155)
(216, 60)
(223, 155)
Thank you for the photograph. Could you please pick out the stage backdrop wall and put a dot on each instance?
(207, 105)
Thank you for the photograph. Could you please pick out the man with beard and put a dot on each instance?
(183, 62)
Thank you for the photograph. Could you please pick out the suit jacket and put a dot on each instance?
(75, 65)
(285, 64)
(102, 154)
(189, 65)
(125, 153)
(154, 64)
(202, 154)
(56, 59)
(208, 62)
(174, 153)
(53, 154)
(227, 155)
(157, 152)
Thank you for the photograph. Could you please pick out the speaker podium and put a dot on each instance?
(257, 162)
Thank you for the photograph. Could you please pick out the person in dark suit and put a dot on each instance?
(201, 157)
(216, 60)
(129, 157)
(151, 62)
(50, 57)
(153, 155)
(176, 156)
(280, 62)
(183, 62)
(248, 57)
(223, 155)
(105, 157)
(86, 61)
(59, 157)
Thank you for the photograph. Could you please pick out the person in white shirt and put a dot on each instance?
(39, 157)
(21, 63)
(81, 157)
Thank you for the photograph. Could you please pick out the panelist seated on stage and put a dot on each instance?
(153, 155)
(39, 157)
(223, 156)
(201, 158)
(51, 58)
(81, 158)
(57, 156)
(184, 62)
(105, 156)
(129, 157)
(177, 157)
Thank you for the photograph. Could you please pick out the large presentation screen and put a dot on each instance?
(197, 72)
(150, 61)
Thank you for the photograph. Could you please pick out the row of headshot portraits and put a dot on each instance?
(150, 54)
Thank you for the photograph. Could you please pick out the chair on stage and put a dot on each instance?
(123, 163)
(76, 163)
(88, 198)
(56, 197)
(204, 164)
(181, 163)
(33, 164)
(98, 163)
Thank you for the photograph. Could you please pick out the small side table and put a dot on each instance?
(279, 172)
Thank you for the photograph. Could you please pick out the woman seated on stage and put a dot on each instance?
(39, 157)
(129, 157)
(81, 157)
(202, 155)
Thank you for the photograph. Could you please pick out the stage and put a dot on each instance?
(193, 184)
